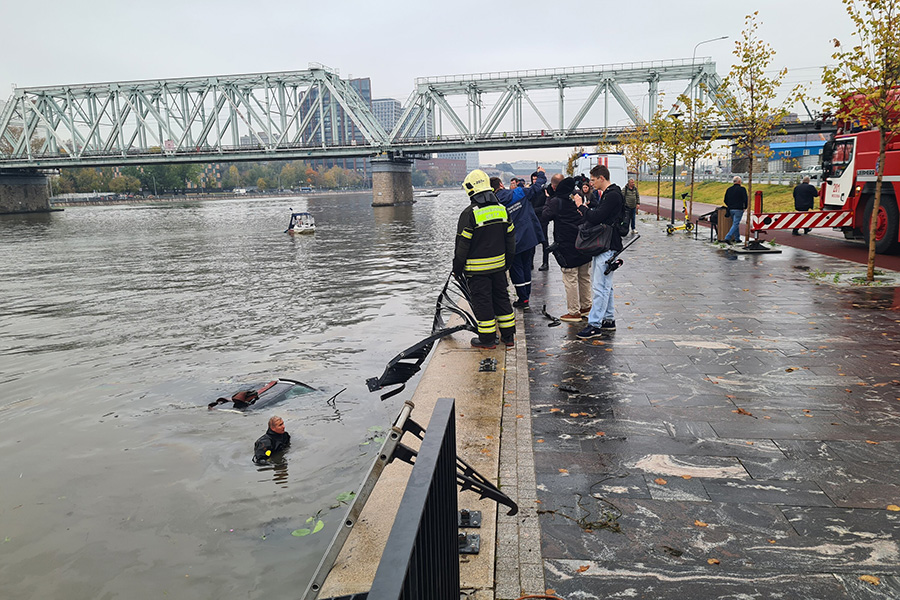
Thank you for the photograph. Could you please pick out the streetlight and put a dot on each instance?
(694, 54)
(675, 116)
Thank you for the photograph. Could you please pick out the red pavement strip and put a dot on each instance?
(821, 241)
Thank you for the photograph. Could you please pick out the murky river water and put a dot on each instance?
(118, 324)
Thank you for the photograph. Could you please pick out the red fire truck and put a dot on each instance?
(848, 191)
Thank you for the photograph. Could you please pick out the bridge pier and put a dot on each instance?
(24, 193)
(392, 181)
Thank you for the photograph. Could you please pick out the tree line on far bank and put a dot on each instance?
(158, 179)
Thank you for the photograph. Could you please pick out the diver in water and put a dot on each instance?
(274, 439)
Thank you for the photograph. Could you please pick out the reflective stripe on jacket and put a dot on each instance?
(485, 240)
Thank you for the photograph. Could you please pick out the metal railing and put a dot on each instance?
(421, 557)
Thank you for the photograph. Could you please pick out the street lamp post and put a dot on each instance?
(675, 116)
(694, 54)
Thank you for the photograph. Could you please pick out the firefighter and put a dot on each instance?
(485, 246)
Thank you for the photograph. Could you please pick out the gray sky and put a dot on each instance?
(60, 41)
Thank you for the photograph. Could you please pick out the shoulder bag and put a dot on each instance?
(593, 239)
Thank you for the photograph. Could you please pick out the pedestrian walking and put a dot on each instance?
(736, 201)
(804, 197)
(632, 201)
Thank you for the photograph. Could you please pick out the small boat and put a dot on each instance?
(427, 194)
(301, 222)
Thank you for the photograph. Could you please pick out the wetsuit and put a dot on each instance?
(272, 442)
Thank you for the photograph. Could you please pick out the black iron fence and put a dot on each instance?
(421, 557)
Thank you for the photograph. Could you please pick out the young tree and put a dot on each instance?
(865, 83)
(697, 134)
(750, 99)
(660, 129)
(637, 145)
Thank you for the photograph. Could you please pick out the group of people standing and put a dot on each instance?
(501, 228)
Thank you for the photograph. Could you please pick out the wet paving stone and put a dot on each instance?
(737, 437)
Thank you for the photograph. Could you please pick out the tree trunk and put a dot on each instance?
(691, 200)
(876, 203)
(658, 188)
(749, 198)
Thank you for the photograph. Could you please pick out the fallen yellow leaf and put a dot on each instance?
(700, 523)
(687, 477)
(540, 441)
(893, 508)
(870, 579)
(660, 481)
(601, 433)
(555, 410)
(871, 442)
(583, 568)
(563, 470)
(573, 414)
(712, 561)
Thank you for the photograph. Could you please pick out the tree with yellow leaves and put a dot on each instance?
(865, 83)
(696, 135)
(750, 99)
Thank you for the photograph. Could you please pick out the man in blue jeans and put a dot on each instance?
(736, 201)
(602, 318)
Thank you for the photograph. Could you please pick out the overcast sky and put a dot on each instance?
(57, 42)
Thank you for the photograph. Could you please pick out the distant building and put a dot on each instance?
(387, 112)
(342, 130)
(447, 170)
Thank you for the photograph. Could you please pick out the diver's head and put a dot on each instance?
(276, 424)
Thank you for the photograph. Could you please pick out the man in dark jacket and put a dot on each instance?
(273, 440)
(485, 246)
(804, 198)
(538, 202)
(736, 201)
(602, 318)
(576, 267)
(632, 201)
(528, 232)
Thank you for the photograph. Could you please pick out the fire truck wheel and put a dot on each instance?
(887, 225)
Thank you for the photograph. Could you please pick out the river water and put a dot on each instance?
(118, 324)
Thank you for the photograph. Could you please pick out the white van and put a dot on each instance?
(618, 171)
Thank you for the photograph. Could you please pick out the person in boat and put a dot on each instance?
(273, 440)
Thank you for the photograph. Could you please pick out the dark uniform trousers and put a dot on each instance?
(489, 298)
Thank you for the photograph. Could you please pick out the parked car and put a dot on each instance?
(814, 172)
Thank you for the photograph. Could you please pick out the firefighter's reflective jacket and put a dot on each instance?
(485, 238)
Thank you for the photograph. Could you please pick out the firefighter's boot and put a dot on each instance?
(487, 341)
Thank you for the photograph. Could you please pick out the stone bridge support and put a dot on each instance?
(392, 181)
(24, 193)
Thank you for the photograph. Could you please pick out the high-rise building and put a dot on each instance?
(343, 130)
(387, 112)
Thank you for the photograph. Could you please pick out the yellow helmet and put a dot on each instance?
(476, 182)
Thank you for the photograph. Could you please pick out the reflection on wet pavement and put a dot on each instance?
(742, 424)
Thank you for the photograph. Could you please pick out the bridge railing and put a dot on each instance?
(682, 62)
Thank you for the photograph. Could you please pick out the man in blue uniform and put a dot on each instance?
(528, 231)
(485, 246)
